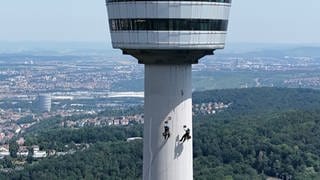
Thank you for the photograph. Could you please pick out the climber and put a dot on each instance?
(186, 135)
(166, 133)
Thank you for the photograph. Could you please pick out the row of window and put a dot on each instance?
(218, 1)
(168, 24)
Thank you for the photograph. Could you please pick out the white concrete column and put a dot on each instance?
(168, 96)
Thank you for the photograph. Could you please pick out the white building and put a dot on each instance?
(134, 139)
(4, 152)
(39, 154)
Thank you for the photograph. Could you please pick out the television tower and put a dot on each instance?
(168, 36)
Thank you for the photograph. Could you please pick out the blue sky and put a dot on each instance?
(253, 21)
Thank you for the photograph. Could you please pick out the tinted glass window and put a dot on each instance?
(168, 24)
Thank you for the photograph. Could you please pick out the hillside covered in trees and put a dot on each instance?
(265, 132)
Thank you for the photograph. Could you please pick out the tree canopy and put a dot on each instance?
(265, 132)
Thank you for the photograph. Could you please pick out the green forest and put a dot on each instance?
(265, 132)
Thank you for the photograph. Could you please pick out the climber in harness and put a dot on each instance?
(166, 133)
(186, 135)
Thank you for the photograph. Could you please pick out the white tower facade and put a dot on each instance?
(168, 36)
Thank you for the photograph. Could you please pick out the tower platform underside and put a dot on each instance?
(152, 56)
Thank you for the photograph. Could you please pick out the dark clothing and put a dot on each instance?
(166, 132)
(186, 136)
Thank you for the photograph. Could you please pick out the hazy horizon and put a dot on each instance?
(69, 46)
(86, 21)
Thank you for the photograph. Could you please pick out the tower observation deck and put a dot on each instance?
(168, 36)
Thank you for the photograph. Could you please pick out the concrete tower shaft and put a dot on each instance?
(168, 97)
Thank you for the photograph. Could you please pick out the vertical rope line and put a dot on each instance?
(150, 151)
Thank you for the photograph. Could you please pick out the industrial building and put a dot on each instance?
(44, 102)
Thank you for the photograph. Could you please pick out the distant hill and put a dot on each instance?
(262, 100)
(304, 51)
